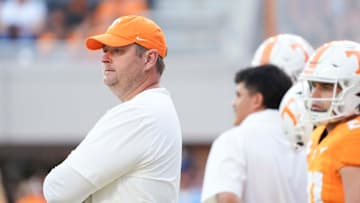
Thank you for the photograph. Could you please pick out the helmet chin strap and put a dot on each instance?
(339, 118)
(357, 109)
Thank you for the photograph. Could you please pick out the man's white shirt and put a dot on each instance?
(133, 154)
(255, 162)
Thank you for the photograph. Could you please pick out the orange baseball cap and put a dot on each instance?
(130, 29)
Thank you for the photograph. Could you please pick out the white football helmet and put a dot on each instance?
(337, 63)
(289, 52)
(295, 119)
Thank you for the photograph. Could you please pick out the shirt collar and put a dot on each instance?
(263, 115)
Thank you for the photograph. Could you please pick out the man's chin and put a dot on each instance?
(237, 122)
(109, 82)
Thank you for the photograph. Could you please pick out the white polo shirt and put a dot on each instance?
(133, 154)
(256, 162)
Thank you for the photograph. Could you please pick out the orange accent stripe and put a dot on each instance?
(297, 45)
(318, 54)
(289, 112)
(357, 54)
(265, 58)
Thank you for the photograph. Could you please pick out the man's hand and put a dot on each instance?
(227, 197)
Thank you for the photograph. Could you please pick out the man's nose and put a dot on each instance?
(106, 57)
(233, 103)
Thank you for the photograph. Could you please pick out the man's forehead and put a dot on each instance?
(241, 86)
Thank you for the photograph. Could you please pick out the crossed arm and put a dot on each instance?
(64, 184)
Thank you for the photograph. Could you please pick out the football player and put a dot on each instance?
(333, 74)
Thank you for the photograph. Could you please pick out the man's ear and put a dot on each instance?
(151, 57)
(258, 101)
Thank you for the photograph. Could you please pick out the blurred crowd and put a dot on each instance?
(24, 188)
(329, 19)
(48, 22)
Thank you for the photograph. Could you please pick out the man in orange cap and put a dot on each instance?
(133, 153)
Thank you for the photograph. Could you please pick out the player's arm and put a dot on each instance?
(227, 197)
(64, 184)
(351, 183)
(349, 157)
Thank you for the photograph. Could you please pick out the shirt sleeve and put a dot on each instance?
(64, 184)
(225, 169)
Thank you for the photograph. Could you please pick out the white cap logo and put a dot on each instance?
(115, 22)
(140, 38)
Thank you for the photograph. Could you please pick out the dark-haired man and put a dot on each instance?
(253, 162)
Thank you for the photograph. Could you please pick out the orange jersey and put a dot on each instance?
(340, 148)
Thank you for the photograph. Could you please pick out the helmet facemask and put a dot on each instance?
(344, 102)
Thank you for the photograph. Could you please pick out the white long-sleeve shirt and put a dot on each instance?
(133, 154)
(255, 162)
